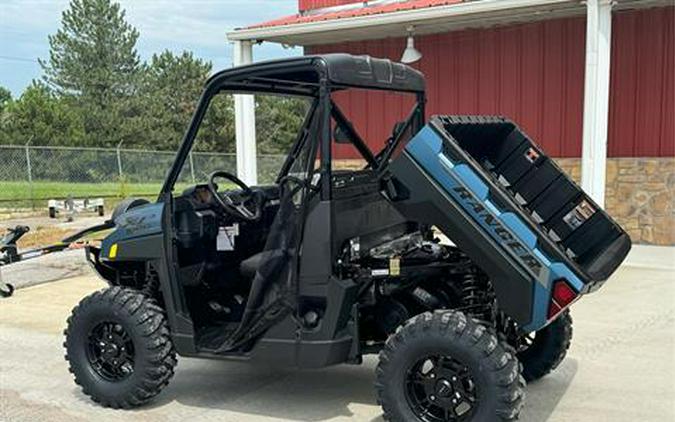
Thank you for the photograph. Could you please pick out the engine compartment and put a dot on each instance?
(410, 274)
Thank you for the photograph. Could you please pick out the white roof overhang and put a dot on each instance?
(429, 20)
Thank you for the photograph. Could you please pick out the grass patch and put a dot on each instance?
(42, 191)
(18, 195)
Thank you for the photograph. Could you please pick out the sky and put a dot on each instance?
(176, 25)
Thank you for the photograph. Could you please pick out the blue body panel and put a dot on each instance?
(145, 220)
(464, 185)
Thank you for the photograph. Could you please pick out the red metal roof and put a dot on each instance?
(351, 13)
(319, 4)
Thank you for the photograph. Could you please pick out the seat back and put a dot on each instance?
(361, 210)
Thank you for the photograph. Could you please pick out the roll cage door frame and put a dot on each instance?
(322, 107)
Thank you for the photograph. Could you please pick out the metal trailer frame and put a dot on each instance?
(10, 254)
(75, 206)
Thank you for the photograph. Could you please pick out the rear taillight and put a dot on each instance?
(563, 296)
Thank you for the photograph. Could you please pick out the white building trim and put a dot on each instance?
(477, 13)
(244, 121)
(403, 17)
(596, 98)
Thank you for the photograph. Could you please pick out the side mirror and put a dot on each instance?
(340, 136)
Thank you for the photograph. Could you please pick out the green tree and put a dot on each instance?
(43, 118)
(5, 98)
(5, 101)
(217, 132)
(278, 120)
(171, 88)
(93, 59)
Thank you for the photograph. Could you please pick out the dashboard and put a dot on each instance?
(198, 216)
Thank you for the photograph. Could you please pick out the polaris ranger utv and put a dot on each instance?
(325, 266)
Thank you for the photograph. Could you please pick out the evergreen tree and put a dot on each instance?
(171, 88)
(93, 59)
(278, 120)
(5, 98)
(43, 118)
(95, 92)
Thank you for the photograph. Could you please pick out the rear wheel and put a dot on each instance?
(118, 347)
(541, 352)
(100, 210)
(445, 367)
(52, 212)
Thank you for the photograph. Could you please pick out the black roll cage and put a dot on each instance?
(314, 77)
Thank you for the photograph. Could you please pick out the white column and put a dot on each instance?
(596, 98)
(244, 121)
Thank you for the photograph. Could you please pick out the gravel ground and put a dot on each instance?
(56, 266)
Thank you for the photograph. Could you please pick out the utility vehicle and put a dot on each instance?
(326, 265)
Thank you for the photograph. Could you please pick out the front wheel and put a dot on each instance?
(118, 347)
(445, 367)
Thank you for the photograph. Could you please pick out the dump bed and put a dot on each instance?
(497, 195)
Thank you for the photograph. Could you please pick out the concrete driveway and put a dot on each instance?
(621, 367)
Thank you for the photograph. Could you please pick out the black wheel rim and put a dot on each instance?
(110, 351)
(439, 389)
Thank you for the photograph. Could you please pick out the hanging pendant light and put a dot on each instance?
(410, 54)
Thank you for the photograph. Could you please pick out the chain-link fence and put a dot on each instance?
(30, 175)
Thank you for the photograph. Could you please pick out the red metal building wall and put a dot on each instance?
(534, 74)
(642, 108)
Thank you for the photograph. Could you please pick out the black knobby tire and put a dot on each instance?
(52, 212)
(100, 210)
(547, 348)
(495, 372)
(154, 356)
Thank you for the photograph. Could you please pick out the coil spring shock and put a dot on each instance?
(477, 295)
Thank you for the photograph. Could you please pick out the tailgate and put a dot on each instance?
(491, 190)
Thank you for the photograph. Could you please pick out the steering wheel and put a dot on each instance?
(246, 205)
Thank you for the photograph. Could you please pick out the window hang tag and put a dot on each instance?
(225, 239)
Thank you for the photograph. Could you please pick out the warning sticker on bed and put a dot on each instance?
(532, 155)
(582, 212)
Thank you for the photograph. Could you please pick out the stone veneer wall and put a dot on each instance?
(640, 194)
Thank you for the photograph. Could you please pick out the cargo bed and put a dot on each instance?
(497, 195)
